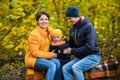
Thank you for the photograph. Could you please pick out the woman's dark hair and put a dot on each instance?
(39, 13)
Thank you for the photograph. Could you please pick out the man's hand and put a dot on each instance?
(67, 51)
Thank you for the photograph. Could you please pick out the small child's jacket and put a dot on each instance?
(64, 58)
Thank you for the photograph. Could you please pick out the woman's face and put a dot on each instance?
(43, 21)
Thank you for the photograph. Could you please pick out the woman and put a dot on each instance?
(37, 52)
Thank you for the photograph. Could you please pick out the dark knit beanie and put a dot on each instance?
(72, 11)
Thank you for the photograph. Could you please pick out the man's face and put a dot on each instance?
(73, 20)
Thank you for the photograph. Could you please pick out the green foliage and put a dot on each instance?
(17, 21)
(3, 69)
(11, 66)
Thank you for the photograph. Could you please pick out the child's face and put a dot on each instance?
(56, 38)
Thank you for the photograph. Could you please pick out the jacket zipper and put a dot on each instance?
(75, 37)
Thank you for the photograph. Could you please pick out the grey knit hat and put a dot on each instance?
(72, 11)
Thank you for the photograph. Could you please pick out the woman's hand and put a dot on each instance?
(55, 55)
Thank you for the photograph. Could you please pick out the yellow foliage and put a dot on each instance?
(0, 24)
(103, 14)
(22, 29)
(6, 40)
(77, 1)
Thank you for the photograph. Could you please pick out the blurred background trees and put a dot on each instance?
(17, 20)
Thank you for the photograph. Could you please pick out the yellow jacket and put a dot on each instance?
(36, 45)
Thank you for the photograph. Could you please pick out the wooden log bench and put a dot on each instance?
(105, 69)
(32, 74)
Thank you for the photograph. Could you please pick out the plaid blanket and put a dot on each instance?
(105, 69)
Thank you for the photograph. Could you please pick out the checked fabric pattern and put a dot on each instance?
(105, 69)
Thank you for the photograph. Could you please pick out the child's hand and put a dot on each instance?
(58, 51)
(53, 51)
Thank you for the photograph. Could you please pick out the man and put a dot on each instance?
(83, 46)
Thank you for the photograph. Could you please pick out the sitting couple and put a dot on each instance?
(47, 50)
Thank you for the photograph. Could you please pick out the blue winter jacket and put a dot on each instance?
(64, 58)
(83, 39)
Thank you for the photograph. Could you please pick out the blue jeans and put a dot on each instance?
(77, 66)
(51, 65)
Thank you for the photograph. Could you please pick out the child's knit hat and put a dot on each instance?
(58, 32)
